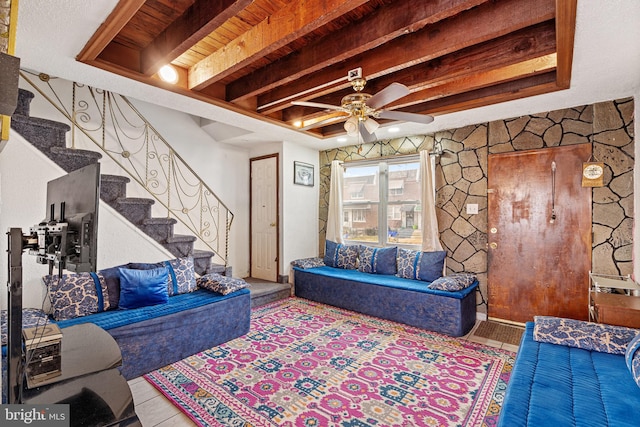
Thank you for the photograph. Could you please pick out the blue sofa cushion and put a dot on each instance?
(580, 334)
(76, 295)
(182, 275)
(418, 265)
(453, 282)
(308, 262)
(141, 288)
(377, 260)
(632, 358)
(341, 256)
(221, 284)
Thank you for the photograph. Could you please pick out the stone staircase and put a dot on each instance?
(50, 138)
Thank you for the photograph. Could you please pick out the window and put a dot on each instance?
(382, 202)
(359, 215)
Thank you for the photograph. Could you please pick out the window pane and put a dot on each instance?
(360, 201)
(403, 205)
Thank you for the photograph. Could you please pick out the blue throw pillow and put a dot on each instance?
(341, 256)
(417, 265)
(141, 288)
(377, 260)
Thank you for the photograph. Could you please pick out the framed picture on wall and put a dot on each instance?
(303, 174)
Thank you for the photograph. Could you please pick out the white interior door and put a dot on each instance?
(264, 218)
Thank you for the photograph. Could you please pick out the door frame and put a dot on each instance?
(251, 160)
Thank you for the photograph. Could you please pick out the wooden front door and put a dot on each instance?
(539, 264)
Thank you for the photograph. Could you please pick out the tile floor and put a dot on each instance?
(154, 409)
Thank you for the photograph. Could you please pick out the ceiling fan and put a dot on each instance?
(361, 109)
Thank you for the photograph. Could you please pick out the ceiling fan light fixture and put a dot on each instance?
(371, 125)
(351, 126)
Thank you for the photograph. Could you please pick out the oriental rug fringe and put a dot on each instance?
(309, 364)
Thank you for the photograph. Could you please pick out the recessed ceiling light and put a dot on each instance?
(168, 73)
(342, 139)
(297, 123)
(394, 129)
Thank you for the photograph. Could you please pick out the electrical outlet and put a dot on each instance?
(472, 208)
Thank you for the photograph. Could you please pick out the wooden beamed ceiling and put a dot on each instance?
(256, 57)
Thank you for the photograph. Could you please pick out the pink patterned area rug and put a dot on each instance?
(309, 364)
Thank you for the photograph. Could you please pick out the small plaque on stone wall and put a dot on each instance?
(593, 174)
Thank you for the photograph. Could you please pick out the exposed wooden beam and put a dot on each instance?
(479, 80)
(109, 29)
(385, 24)
(565, 33)
(286, 25)
(433, 41)
(529, 43)
(199, 20)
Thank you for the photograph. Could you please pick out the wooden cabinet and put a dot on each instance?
(618, 305)
(616, 309)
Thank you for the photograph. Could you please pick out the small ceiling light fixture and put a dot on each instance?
(297, 123)
(351, 126)
(168, 74)
(342, 139)
(394, 129)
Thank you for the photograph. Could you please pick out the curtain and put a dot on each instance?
(430, 234)
(334, 217)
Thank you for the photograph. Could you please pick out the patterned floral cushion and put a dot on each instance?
(182, 276)
(77, 295)
(305, 263)
(221, 284)
(377, 260)
(30, 317)
(586, 335)
(341, 256)
(453, 282)
(632, 357)
(417, 265)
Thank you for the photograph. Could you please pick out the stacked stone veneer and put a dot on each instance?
(461, 178)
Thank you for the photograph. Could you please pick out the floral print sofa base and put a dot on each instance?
(574, 373)
(407, 287)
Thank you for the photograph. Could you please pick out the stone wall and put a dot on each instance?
(461, 178)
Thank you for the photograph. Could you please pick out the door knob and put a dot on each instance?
(273, 224)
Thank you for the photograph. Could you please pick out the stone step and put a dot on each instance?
(159, 229)
(24, 103)
(180, 245)
(113, 187)
(41, 133)
(135, 209)
(71, 159)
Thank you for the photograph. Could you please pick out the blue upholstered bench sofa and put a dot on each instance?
(574, 373)
(191, 315)
(391, 283)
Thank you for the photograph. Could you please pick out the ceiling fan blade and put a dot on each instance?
(388, 94)
(317, 121)
(406, 117)
(366, 136)
(317, 105)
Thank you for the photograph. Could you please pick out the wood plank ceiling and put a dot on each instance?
(257, 56)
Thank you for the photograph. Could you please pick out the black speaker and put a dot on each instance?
(9, 74)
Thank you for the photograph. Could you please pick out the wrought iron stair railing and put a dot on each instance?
(113, 124)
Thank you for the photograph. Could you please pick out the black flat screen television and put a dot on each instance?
(73, 199)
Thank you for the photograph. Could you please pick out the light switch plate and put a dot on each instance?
(472, 208)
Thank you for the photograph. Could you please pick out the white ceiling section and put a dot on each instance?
(606, 66)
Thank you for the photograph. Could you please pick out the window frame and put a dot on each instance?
(383, 165)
